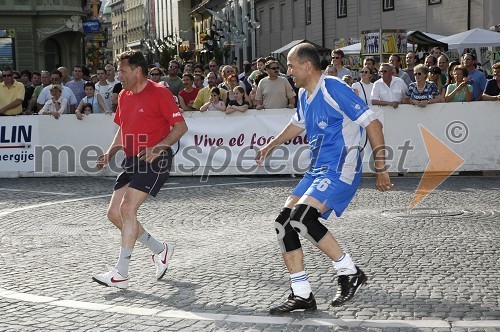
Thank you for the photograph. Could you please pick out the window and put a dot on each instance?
(261, 14)
(387, 5)
(52, 53)
(341, 8)
(7, 58)
(308, 12)
(282, 16)
(271, 18)
(434, 2)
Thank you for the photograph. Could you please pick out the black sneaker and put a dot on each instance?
(293, 303)
(348, 286)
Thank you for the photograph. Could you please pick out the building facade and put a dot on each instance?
(105, 18)
(38, 35)
(326, 21)
(135, 15)
(225, 29)
(118, 27)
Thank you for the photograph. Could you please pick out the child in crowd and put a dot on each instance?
(87, 109)
(94, 99)
(238, 104)
(215, 104)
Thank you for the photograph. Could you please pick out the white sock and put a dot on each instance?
(149, 241)
(124, 260)
(300, 284)
(344, 265)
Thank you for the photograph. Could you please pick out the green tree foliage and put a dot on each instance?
(167, 54)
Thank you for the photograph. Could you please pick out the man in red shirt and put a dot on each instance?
(188, 94)
(150, 123)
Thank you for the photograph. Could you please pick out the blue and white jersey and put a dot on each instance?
(334, 118)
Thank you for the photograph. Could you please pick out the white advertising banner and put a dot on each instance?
(220, 144)
(223, 145)
(18, 137)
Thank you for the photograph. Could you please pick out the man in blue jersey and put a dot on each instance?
(333, 117)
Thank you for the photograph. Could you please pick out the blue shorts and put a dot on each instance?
(143, 176)
(328, 187)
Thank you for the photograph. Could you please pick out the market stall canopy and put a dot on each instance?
(426, 38)
(281, 53)
(353, 49)
(474, 38)
(284, 49)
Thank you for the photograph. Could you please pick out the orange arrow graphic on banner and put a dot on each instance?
(443, 161)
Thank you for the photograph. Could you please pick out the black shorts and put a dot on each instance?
(144, 176)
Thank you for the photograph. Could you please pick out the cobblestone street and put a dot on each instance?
(435, 268)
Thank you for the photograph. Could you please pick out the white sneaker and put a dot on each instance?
(112, 278)
(161, 260)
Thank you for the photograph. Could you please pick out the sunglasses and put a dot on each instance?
(336, 57)
(7, 75)
(383, 71)
(274, 68)
(364, 72)
(155, 74)
(418, 74)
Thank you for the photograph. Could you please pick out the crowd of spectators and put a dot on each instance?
(56, 92)
(260, 84)
(432, 79)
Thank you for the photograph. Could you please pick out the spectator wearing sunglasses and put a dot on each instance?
(155, 75)
(337, 59)
(175, 84)
(364, 87)
(422, 92)
(274, 91)
(11, 94)
(388, 90)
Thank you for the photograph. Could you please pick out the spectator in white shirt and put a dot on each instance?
(364, 87)
(55, 79)
(57, 104)
(388, 90)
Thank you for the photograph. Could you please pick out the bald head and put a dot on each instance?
(306, 52)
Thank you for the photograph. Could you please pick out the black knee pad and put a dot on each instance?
(304, 219)
(288, 238)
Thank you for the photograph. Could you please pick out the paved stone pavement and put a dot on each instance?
(434, 269)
